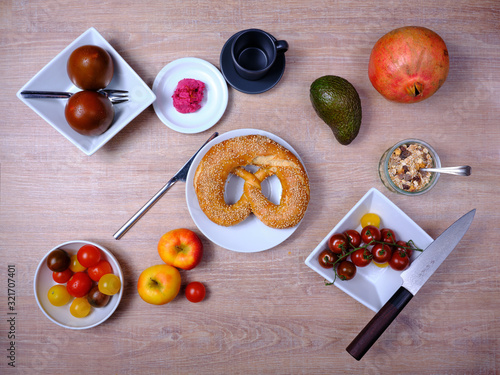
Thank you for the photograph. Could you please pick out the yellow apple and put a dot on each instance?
(159, 284)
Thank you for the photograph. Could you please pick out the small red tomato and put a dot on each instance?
(102, 268)
(62, 277)
(403, 246)
(361, 257)
(327, 258)
(346, 270)
(388, 236)
(338, 243)
(370, 233)
(79, 284)
(399, 261)
(88, 256)
(381, 253)
(195, 292)
(353, 237)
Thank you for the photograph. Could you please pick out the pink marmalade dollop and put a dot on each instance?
(188, 95)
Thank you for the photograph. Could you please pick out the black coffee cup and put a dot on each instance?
(254, 52)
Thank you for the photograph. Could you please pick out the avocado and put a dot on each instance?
(337, 103)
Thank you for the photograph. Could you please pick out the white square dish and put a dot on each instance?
(372, 286)
(53, 77)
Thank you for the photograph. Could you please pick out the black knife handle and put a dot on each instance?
(379, 323)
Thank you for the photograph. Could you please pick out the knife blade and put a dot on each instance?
(413, 279)
(179, 176)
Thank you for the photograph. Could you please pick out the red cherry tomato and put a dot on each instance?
(399, 261)
(62, 277)
(403, 246)
(353, 237)
(338, 243)
(102, 268)
(361, 257)
(346, 270)
(381, 253)
(79, 284)
(388, 236)
(195, 292)
(327, 258)
(370, 233)
(88, 255)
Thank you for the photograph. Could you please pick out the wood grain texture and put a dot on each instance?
(265, 313)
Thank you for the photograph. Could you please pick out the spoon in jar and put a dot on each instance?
(463, 170)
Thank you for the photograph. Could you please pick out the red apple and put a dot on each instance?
(159, 284)
(181, 248)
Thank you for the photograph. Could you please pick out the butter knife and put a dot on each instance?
(179, 176)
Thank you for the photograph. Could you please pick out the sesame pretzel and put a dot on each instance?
(231, 156)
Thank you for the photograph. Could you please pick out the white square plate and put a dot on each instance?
(53, 77)
(372, 286)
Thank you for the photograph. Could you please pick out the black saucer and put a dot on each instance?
(244, 85)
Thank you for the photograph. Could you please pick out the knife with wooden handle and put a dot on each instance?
(413, 279)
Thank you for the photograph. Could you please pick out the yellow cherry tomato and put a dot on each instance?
(381, 265)
(75, 265)
(109, 284)
(58, 295)
(370, 219)
(80, 307)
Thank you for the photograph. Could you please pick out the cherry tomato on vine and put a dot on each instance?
(338, 243)
(361, 257)
(88, 255)
(102, 268)
(387, 235)
(62, 277)
(346, 270)
(370, 219)
(75, 265)
(109, 284)
(399, 261)
(381, 253)
(58, 295)
(79, 284)
(58, 260)
(353, 237)
(80, 307)
(370, 233)
(327, 258)
(403, 246)
(195, 292)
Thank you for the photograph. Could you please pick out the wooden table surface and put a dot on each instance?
(265, 312)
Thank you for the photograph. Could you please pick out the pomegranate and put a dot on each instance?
(409, 64)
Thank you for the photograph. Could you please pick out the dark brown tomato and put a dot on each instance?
(90, 67)
(96, 298)
(58, 260)
(89, 113)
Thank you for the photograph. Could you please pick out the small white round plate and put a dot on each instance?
(214, 102)
(61, 315)
(251, 235)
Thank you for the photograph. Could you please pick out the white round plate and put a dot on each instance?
(61, 315)
(214, 102)
(251, 235)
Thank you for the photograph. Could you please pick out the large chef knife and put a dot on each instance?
(413, 278)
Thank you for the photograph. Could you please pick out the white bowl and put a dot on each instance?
(53, 77)
(61, 315)
(372, 286)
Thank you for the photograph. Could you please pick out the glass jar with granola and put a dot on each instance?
(400, 167)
